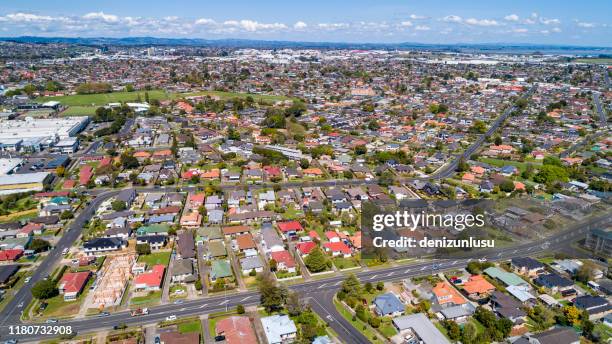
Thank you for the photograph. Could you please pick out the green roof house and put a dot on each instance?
(220, 269)
(507, 278)
(156, 229)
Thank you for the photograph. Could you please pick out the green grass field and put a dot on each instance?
(155, 258)
(92, 100)
(86, 104)
(522, 166)
(89, 100)
(607, 61)
(193, 325)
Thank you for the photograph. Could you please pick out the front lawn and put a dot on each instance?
(151, 298)
(345, 263)
(193, 325)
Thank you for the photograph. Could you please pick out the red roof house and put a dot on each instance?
(12, 255)
(290, 226)
(85, 174)
(304, 248)
(337, 248)
(284, 260)
(150, 280)
(72, 283)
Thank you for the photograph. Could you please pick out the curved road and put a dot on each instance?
(319, 292)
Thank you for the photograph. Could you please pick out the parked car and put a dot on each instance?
(171, 317)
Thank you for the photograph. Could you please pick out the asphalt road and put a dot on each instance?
(12, 311)
(603, 119)
(322, 290)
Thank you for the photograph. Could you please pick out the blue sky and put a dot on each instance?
(426, 21)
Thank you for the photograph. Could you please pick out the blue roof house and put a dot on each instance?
(389, 304)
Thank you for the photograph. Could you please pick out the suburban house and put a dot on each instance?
(151, 280)
(182, 271)
(236, 330)
(103, 245)
(388, 304)
(555, 283)
(527, 266)
(284, 260)
(249, 264)
(72, 284)
(478, 287)
(279, 329)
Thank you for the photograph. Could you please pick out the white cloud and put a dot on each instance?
(27, 17)
(332, 26)
(300, 25)
(253, 26)
(422, 28)
(109, 18)
(417, 17)
(545, 32)
(406, 23)
(586, 25)
(205, 21)
(481, 22)
(520, 30)
(546, 21)
(452, 19)
(555, 29)
(511, 17)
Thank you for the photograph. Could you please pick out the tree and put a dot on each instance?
(198, 284)
(44, 289)
(39, 245)
(66, 215)
(293, 304)
(272, 296)
(572, 314)
(143, 249)
(386, 178)
(585, 272)
(118, 205)
(463, 165)
(453, 330)
(316, 261)
(361, 149)
(550, 174)
(240, 309)
(469, 333)
(507, 186)
(380, 285)
(368, 287)
(498, 140)
(60, 171)
(128, 161)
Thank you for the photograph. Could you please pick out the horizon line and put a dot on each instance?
(7, 38)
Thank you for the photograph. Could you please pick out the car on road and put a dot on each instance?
(10, 341)
(483, 259)
(20, 305)
(65, 251)
(27, 279)
(104, 314)
(51, 321)
(178, 302)
(171, 317)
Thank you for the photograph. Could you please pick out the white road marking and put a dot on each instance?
(322, 285)
(224, 302)
(246, 298)
(390, 274)
(407, 271)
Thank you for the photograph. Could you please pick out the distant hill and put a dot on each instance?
(246, 43)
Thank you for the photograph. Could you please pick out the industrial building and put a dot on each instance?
(48, 130)
(8, 166)
(15, 183)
